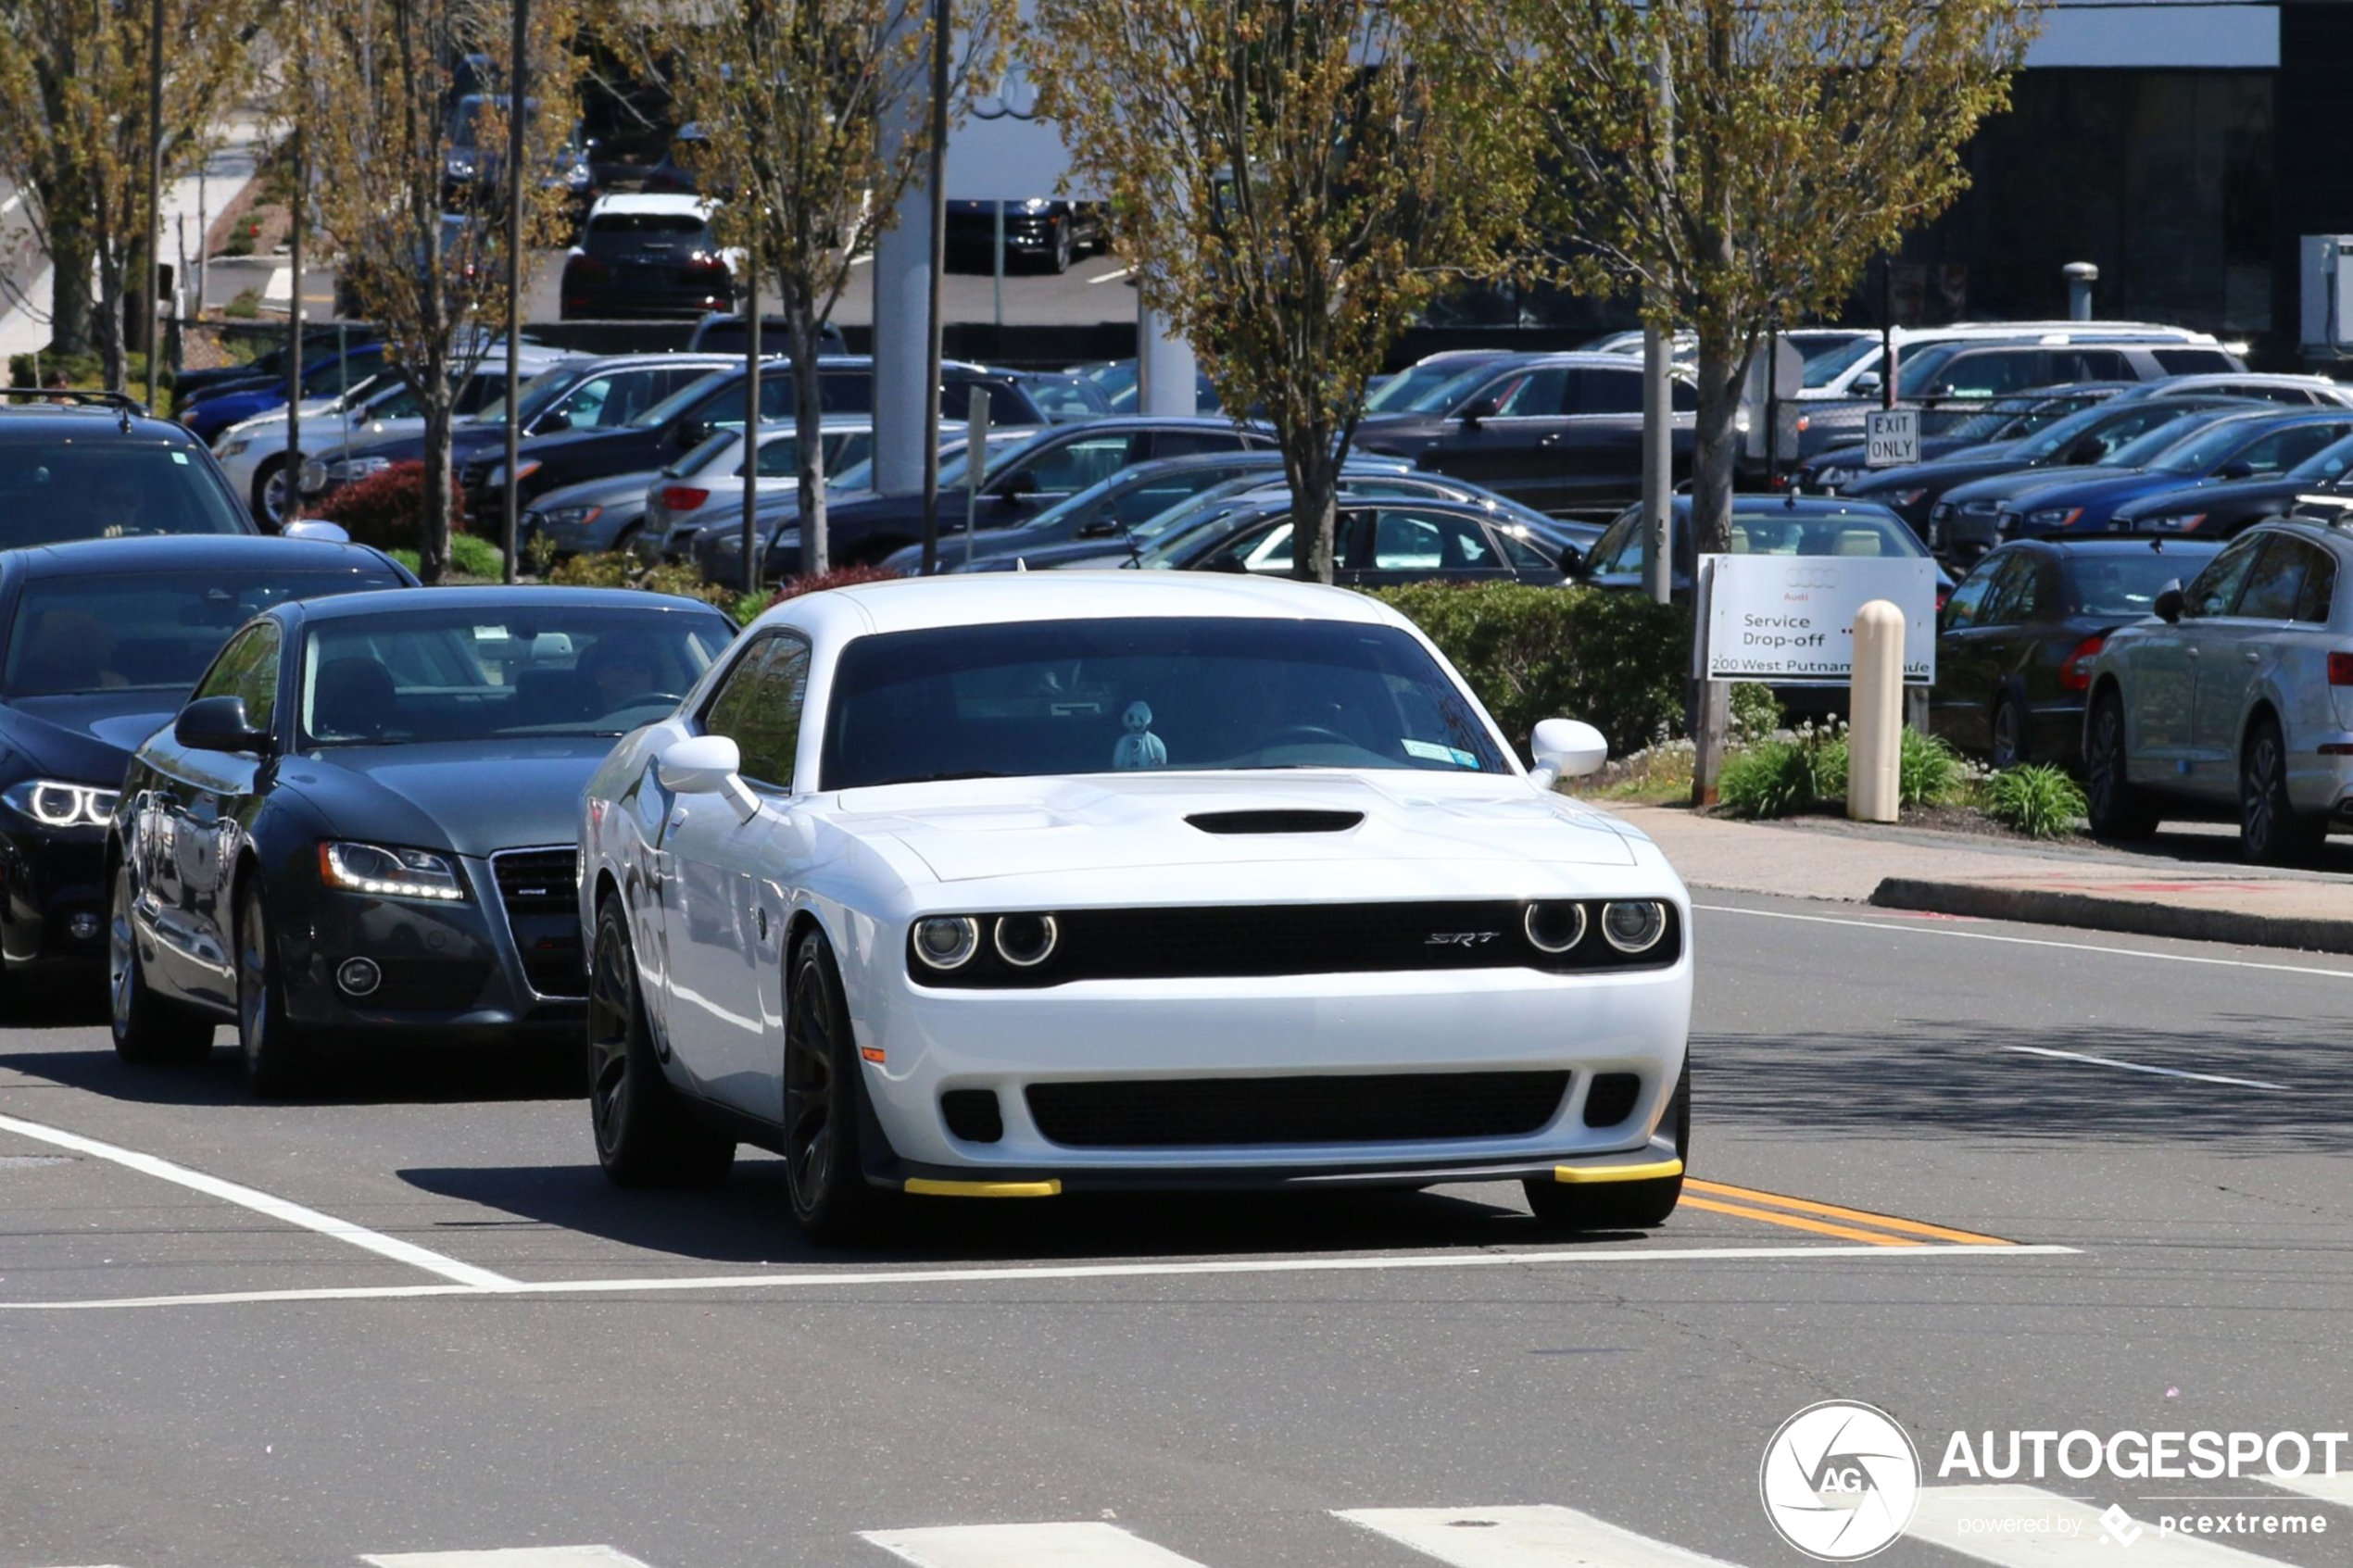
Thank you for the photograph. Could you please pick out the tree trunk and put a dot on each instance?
(1311, 462)
(808, 419)
(74, 258)
(110, 345)
(433, 540)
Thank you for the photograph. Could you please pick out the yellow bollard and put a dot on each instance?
(1875, 713)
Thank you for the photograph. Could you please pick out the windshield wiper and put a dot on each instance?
(931, 778)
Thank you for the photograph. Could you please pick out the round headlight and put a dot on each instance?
(947, 941)
(1556, 928)
(1633, 927)
(1026, 941)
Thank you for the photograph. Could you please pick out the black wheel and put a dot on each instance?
(646, 1133)
(270, 491)
(824, 1178)
(1619, 1205)
(2009, 732)
(275, 1053)
(2116, 808)
(2271, 832)
(149, 1029)
(1059, 261)
(625, 542)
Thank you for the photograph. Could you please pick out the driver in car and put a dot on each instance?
(617, 672)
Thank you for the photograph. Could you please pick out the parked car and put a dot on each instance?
(2264, 444)
(2219, 509)
(1561, 433)
(2238, 694)
(97, 470)
(1917, 491)
(1116, 380)
(721, 332)
(1406, 392)
(473, 174)
(405, 771)
(331, 374)
(1788, 525)
(2015, 642)
(1023, 479)
(268, 366)
(1375, 543)
(1965, 521)
(102, 641)
(676, 171)
(1064, 396)
(1856, 371)
(984, 766)
(1047, 232)
(778, 505)
(646, 255)
(708, 483)
(1986, 433)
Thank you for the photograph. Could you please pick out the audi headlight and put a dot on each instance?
(57, 803)
(498, 477)
(2052, 518)
(569, 517)
(314, 477)
(382, 872)
(947, 942)
(2173, 522)
(232, 448)
(1633, 926)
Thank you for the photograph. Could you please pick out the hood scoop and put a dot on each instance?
(1293, 821)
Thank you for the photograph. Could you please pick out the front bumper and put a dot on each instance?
(1121, 1039)
(469, 968)
(49, 880)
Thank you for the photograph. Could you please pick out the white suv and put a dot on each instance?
(2238, 693)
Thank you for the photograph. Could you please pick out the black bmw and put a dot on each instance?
(99, 643)
(364, 823)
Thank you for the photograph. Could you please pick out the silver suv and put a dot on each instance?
(2238, 693)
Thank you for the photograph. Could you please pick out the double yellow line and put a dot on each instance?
(1825, 1218)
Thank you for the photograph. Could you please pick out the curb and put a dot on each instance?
(2092, 912)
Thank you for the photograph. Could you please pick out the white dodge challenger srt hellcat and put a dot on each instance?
(1022, 885)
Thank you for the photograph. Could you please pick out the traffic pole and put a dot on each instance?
(1875, 718)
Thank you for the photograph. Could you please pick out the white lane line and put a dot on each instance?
(1111, 277)
(2337, 1488)
(1542, 1536)
(1092, 1271)
(2145, 1067)
(11, 203)
(512, 1557)
(262, 1202)
(1088, 1545)
(2027, 1527)
(1928, 929)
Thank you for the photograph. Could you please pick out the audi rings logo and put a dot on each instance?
(1016, 97)
(1840, 1480)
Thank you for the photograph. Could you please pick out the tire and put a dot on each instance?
(1619, 1205)
(2009, 733)
(2116, 808)
(625, 542)
(276, 1056)
(149, 1029)
(2271, 832)
(1058, 259)
(646, 1135)
(266, 514)
(825, 1175)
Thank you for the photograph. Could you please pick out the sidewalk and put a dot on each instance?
(1959, 875)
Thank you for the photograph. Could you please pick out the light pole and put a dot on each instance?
(154, 193)
(938, 200)
(516, 115)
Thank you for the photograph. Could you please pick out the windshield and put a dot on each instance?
(1766, 531)
(148, 631)
(1918, 371)
(687, 398)
(1827, 366)
(2014, 418)
(500, 673)
(538, 393)
(2200, 450)
(2057, 437)
(2330, 462)
(2128, 585)
(2144, 450)
(103, 486)
(1095, 697)
(1001, 455)
(1406, 390)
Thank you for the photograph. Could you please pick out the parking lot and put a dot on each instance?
(408, 1317)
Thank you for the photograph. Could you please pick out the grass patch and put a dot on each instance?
(2036, 799)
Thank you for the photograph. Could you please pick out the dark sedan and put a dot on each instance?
(2250, 445)
(646, 255)
(2218, 508)
(1044, 230)
(103, 641)
(2015, 643)
(1375, 545)
(1992, 429)
(365, 822)
(1793, 525)
(99, 471)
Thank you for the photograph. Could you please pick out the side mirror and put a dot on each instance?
(707, 765)
(1868, 384)
(1224, 560)
(2169, 602)
(1572, 560)
(2091, 449)
(554, 421)
(1484, 408)
(1016, 485)
(314, 528)
(2237, 468)
(1101, 528)
(218, 723)
(1566, 748)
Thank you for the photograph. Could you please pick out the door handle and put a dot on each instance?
(2252, 658)
(2192, 651)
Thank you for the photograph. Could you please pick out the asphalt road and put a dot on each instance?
(1212, 1378)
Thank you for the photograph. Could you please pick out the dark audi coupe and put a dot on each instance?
(364, 823)
(99, 643)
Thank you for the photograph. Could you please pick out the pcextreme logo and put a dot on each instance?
(1840, 1480)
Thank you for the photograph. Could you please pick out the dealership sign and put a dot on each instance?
(1789, 620)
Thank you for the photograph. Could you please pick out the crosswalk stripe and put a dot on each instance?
(1538, 1536)
(1088, 1545)
(2337, 1488)
(2039, 1518)
(512, 1557)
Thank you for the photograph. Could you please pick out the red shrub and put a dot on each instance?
(840, 577)
(387, 508)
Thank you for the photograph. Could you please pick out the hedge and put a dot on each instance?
(387, 508)
(1616, 660)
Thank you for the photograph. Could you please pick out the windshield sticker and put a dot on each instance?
(1139, 747)
(1430, 751)
(180, 457)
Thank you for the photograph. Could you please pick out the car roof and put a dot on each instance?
(681, 203)
(19, 420)
(186, 552)
(2112, 544)
(413, 601)
(914, 604)
(1800, 506)
(2335, 536)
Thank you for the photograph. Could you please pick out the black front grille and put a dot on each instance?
(426, 985)
(538, 880)
(1381, 1108)
(973, 1115)
(1196, 942)
(540, 889)
(1276, 820)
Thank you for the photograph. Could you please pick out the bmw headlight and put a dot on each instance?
(55, 803)
(1035, 204)
(390, 873)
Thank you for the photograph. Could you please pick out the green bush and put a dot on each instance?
(476, 557)
(1928, 772)
(1773, 778)
(1757, 712)
(625, 569)
(1616, 660)
(2036, 799)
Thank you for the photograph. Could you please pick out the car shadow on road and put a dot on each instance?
(746, 1220)
(441, 1077)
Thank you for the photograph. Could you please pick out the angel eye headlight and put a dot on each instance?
(1555, 927)
(1026, 941)
(1633, 926)
(946, 942)
(57, 803)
